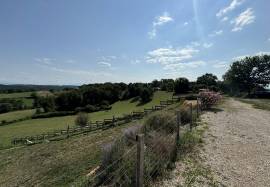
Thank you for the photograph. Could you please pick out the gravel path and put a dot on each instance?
(238, 144)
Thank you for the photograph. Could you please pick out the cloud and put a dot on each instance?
(186, 23)
(245, 18)
(170, 55)
(135, 62)
(221, 64)
(47, 61)
(216, 33)
(232, 6)
(181, 65)
(159, 21)
(255, 54)
(268, 40)
(207, 45)
(225, 19)
(105, 64)
(70, 61)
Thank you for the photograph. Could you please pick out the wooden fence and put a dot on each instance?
(92, 126)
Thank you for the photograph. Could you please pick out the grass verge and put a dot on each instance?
(263, 104)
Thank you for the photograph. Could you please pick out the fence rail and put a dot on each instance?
(92, 126)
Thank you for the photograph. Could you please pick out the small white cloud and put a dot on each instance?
(47, 61)
(159, 21)
(268, 40)
(135, 62)
(245, 18)
(216, 33)
(232, 6)
(195, 44)
(207, 45)
(70, 61)
(225, 19)
(221, 64)
(186, 23)
(105, 64)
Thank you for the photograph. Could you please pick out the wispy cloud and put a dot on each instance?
(216, 33)
(232, 6)
(159, 21)
(186, 23)
(181, 65)
(47, 61)
(245, 18)
(221, 64)
(170, 55)
(255, 54)
(135, 62)
(224, 19)
(105, 64)
(207, 45)
(268, 40)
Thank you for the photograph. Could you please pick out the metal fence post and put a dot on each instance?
(68, 131)
(140, 160)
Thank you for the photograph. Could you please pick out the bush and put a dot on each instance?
(185, 115)
(146, 95)
(82, 119)
(161, 121)
(209, 98)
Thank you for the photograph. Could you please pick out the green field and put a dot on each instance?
(24, 96)
(15, 95)
(58, 163)
(16, 115)
(38, 126)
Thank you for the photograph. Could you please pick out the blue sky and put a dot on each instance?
(82, 41)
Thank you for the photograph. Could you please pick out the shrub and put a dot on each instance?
(185, 115)
(209, 98)
(82, 119)
(161, 121)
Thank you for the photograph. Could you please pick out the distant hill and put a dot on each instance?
(29, 87)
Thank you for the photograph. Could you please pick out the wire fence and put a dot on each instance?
(150, 151)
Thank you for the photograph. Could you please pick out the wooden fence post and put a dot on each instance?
(197, 107)
(191, 116)
(140, 160)
(178, 127)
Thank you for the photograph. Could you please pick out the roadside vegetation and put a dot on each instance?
(263, 104)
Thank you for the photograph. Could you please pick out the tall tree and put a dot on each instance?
(181, 85)
(208, 80)
(249, 73)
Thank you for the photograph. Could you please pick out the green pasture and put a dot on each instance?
(39, 126)
(16, 115)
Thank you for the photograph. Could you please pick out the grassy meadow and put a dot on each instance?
(16, 115)
(24, 96)
(39, 126)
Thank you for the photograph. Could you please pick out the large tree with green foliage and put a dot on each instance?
(207, 80)
(249, 73)
(181, 85)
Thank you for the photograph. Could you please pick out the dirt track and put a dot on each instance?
(238, 144)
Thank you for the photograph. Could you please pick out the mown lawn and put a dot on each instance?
(258, 103)
(39, 126)
(11, 116)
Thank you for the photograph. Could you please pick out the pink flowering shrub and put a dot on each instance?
(209, 98)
